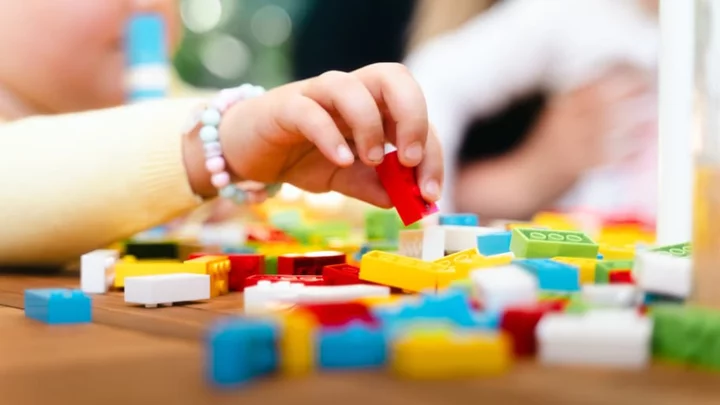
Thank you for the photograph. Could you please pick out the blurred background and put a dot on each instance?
(511, 60)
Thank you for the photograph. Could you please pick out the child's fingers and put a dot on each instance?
(304, 116)
(430, 170)
(393, 87)
(346, 94)
(361, 182)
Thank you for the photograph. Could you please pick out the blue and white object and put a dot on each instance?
(148, 63)
(552, 275)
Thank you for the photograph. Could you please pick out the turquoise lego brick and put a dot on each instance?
(240, 350)
(494, 243)
(552, 275)
(239, 249)
(459, 220)
(451, 306)
(355, 346)
(678, 250)
(545, 244)
(58, 306)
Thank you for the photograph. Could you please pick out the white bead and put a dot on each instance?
(209, 134)
(212, 149)
(211, 117)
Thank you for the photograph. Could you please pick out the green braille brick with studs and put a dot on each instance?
(686, 335)
(679, 250)
(541, 243)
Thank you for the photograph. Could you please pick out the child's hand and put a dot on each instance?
(327, 133)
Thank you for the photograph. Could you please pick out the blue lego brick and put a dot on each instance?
(494, 243)
(356, 346)
(58, 306)
(240, 350)
(600, 256)
(552, 275)
(459, 219)
(451, 305)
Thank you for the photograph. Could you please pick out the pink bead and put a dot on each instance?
(215, 164)
(220, 180)
(213, 149)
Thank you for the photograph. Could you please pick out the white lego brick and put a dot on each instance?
(503, 286)
(266, 294)
(224, 234)
(459, 238)
(97, 270)
(340, 293)
(410, 243)
(613, 338)
(167, 289)
(433, 244)
(612, 295)
(661, 273)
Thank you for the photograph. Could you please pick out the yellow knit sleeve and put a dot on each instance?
(73, 183)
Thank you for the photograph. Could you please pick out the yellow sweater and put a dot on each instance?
(73, 183)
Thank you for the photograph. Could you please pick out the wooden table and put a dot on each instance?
(135, 356)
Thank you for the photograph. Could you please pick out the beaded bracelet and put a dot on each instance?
(214, 160)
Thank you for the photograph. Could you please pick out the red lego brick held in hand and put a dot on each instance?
(241, 267)
(401, 184)
(306, 280)
(308, 263)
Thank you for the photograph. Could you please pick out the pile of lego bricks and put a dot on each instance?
(448, 301)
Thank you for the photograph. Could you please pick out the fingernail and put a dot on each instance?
(344, 154)
(432, 189)
(376, 154)
(414, 152)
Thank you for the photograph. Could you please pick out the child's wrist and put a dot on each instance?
(209, 171)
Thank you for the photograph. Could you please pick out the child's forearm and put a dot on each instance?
(73, 183)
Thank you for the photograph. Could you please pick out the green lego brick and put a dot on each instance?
(384, 225)
(577, 305)
(153, 250)
(679, 250)
(686, 335)
(271, 264)
(554, 295)
(287, 219)
(541, 243)
(604, 267)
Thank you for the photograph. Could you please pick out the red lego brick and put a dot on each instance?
(340, 314)
(265, 234)
(400, 183)
(307, 280)
(309, 263)
(620, 276)
(520, 322)
(241, 267)
(342, 274)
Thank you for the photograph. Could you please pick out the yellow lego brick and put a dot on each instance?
(586, 267)
(554, 221)
(131, 267)
(611, 252)
(464, 267)
(402, 272)
(449, 261)
(297, 344)
(443, 353)
(382, 301)
(217, 267)
(278, 249)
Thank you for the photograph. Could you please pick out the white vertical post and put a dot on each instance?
(675, 160)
